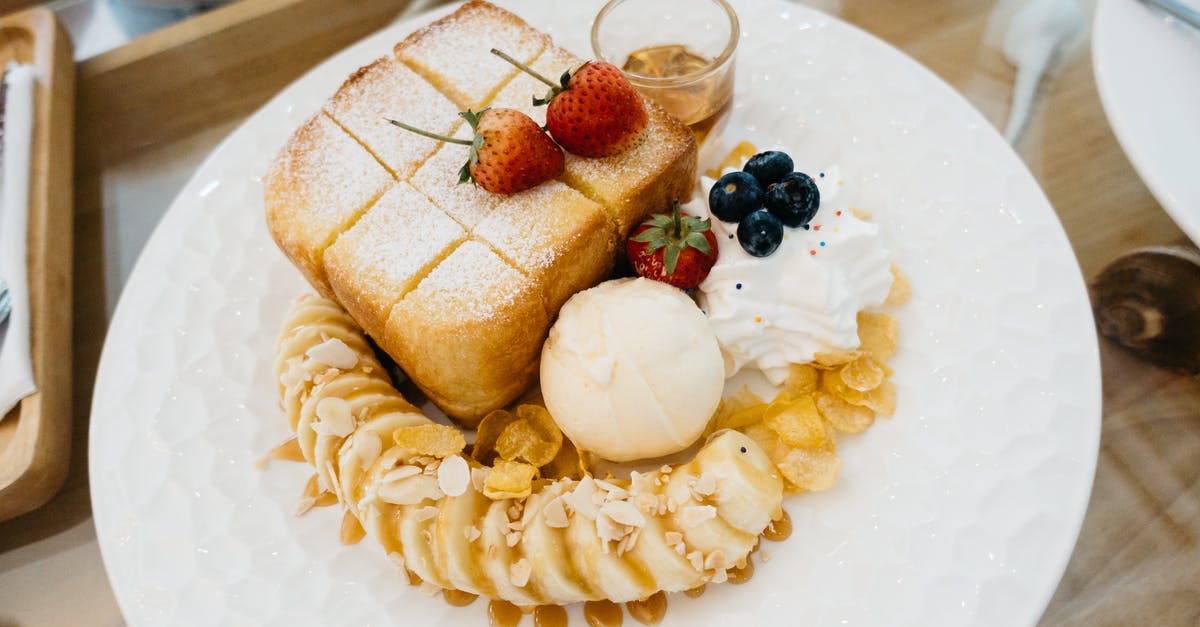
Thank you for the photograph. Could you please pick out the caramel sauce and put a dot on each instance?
(325, 499)
(603, 614)
(458, 598)
(289, 451)
(413, 578)
(779, 529)
(696, 592)
(549, 616)
(352, 530)
(650, 610)
(503, 614)
(743, 574)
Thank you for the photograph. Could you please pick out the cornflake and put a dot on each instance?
(901, 289)
(432, 440)
(509, 480)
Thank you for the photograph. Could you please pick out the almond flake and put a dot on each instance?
(764, 556)
(615, 492)
(695, 514)
(454, 475)
(512, 538)
(624, 512)
(555, 514)
(334, 352)
(472, 533)
(425, 513)
(367, 447)
(479, 477)
(672, 538)
(427, 536)
(334, 414)
(401, 473)
(410, 491)
(304, 505)
(697, 560)
(519, 572)
(716, 561)
(705, 485)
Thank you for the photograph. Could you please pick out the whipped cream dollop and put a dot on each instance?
(632, 370)
(770, 312)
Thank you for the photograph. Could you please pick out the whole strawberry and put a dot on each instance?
(509, 153)
(676, 249)
(593, 111)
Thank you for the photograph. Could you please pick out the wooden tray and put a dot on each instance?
(35, 438)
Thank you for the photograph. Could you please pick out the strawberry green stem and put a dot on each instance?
(524, 68)
(452, 140)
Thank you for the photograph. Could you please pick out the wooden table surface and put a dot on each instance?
(1137, 560)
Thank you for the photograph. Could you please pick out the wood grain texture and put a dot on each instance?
(35, 439)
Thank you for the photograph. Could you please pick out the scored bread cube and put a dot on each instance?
(387, 89)
(383, 256)
(556, 236)
(519, 92)
(318, 185)
(645, 179)
(471, 332)
(437, 178)
(454, 53)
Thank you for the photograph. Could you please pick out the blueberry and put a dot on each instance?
(760, 233)
(734, 195)
(769, 167)
(794, 199)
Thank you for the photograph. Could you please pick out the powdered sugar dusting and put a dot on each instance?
(438, 179)
(321, 181)
(613, 181)
(473, 282)
(381, 258)
(519, 92)
(388, 89)
(454, 52)
(539, 228)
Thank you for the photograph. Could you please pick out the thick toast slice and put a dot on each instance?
(457, 284)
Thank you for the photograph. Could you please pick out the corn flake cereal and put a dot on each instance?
(569, 463)
(509, 480)
(431, 440)
(833, 360)
(488, 433)
(798, 424)
(877, 333)
(862, 374)
(901, 289)
(843, 416)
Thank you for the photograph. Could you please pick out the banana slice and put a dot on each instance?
(672, 529)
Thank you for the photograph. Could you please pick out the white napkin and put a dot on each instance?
(16, 370)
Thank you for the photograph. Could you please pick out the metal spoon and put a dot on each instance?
(5, 301)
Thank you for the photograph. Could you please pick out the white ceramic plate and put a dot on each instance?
(961, 510)
(1148, 72)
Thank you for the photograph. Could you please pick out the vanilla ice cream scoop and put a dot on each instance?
(632, 370)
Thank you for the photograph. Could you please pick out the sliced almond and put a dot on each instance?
(472, 533)
(401, 473)
(693, 515)
(518, 573)
(555, 514)
(624, 512)
(705, 485)
(454, 475)
(410, 491)
(425, 513)
(512, 538)
(335, 417)
(334, 352)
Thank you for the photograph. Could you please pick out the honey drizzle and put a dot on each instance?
(352, 530)
(650, 610)
(779, 529)
(549, 616)
(458, 598)
(696, 592)
(503, 614)
(603, 614)
(738, 576)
